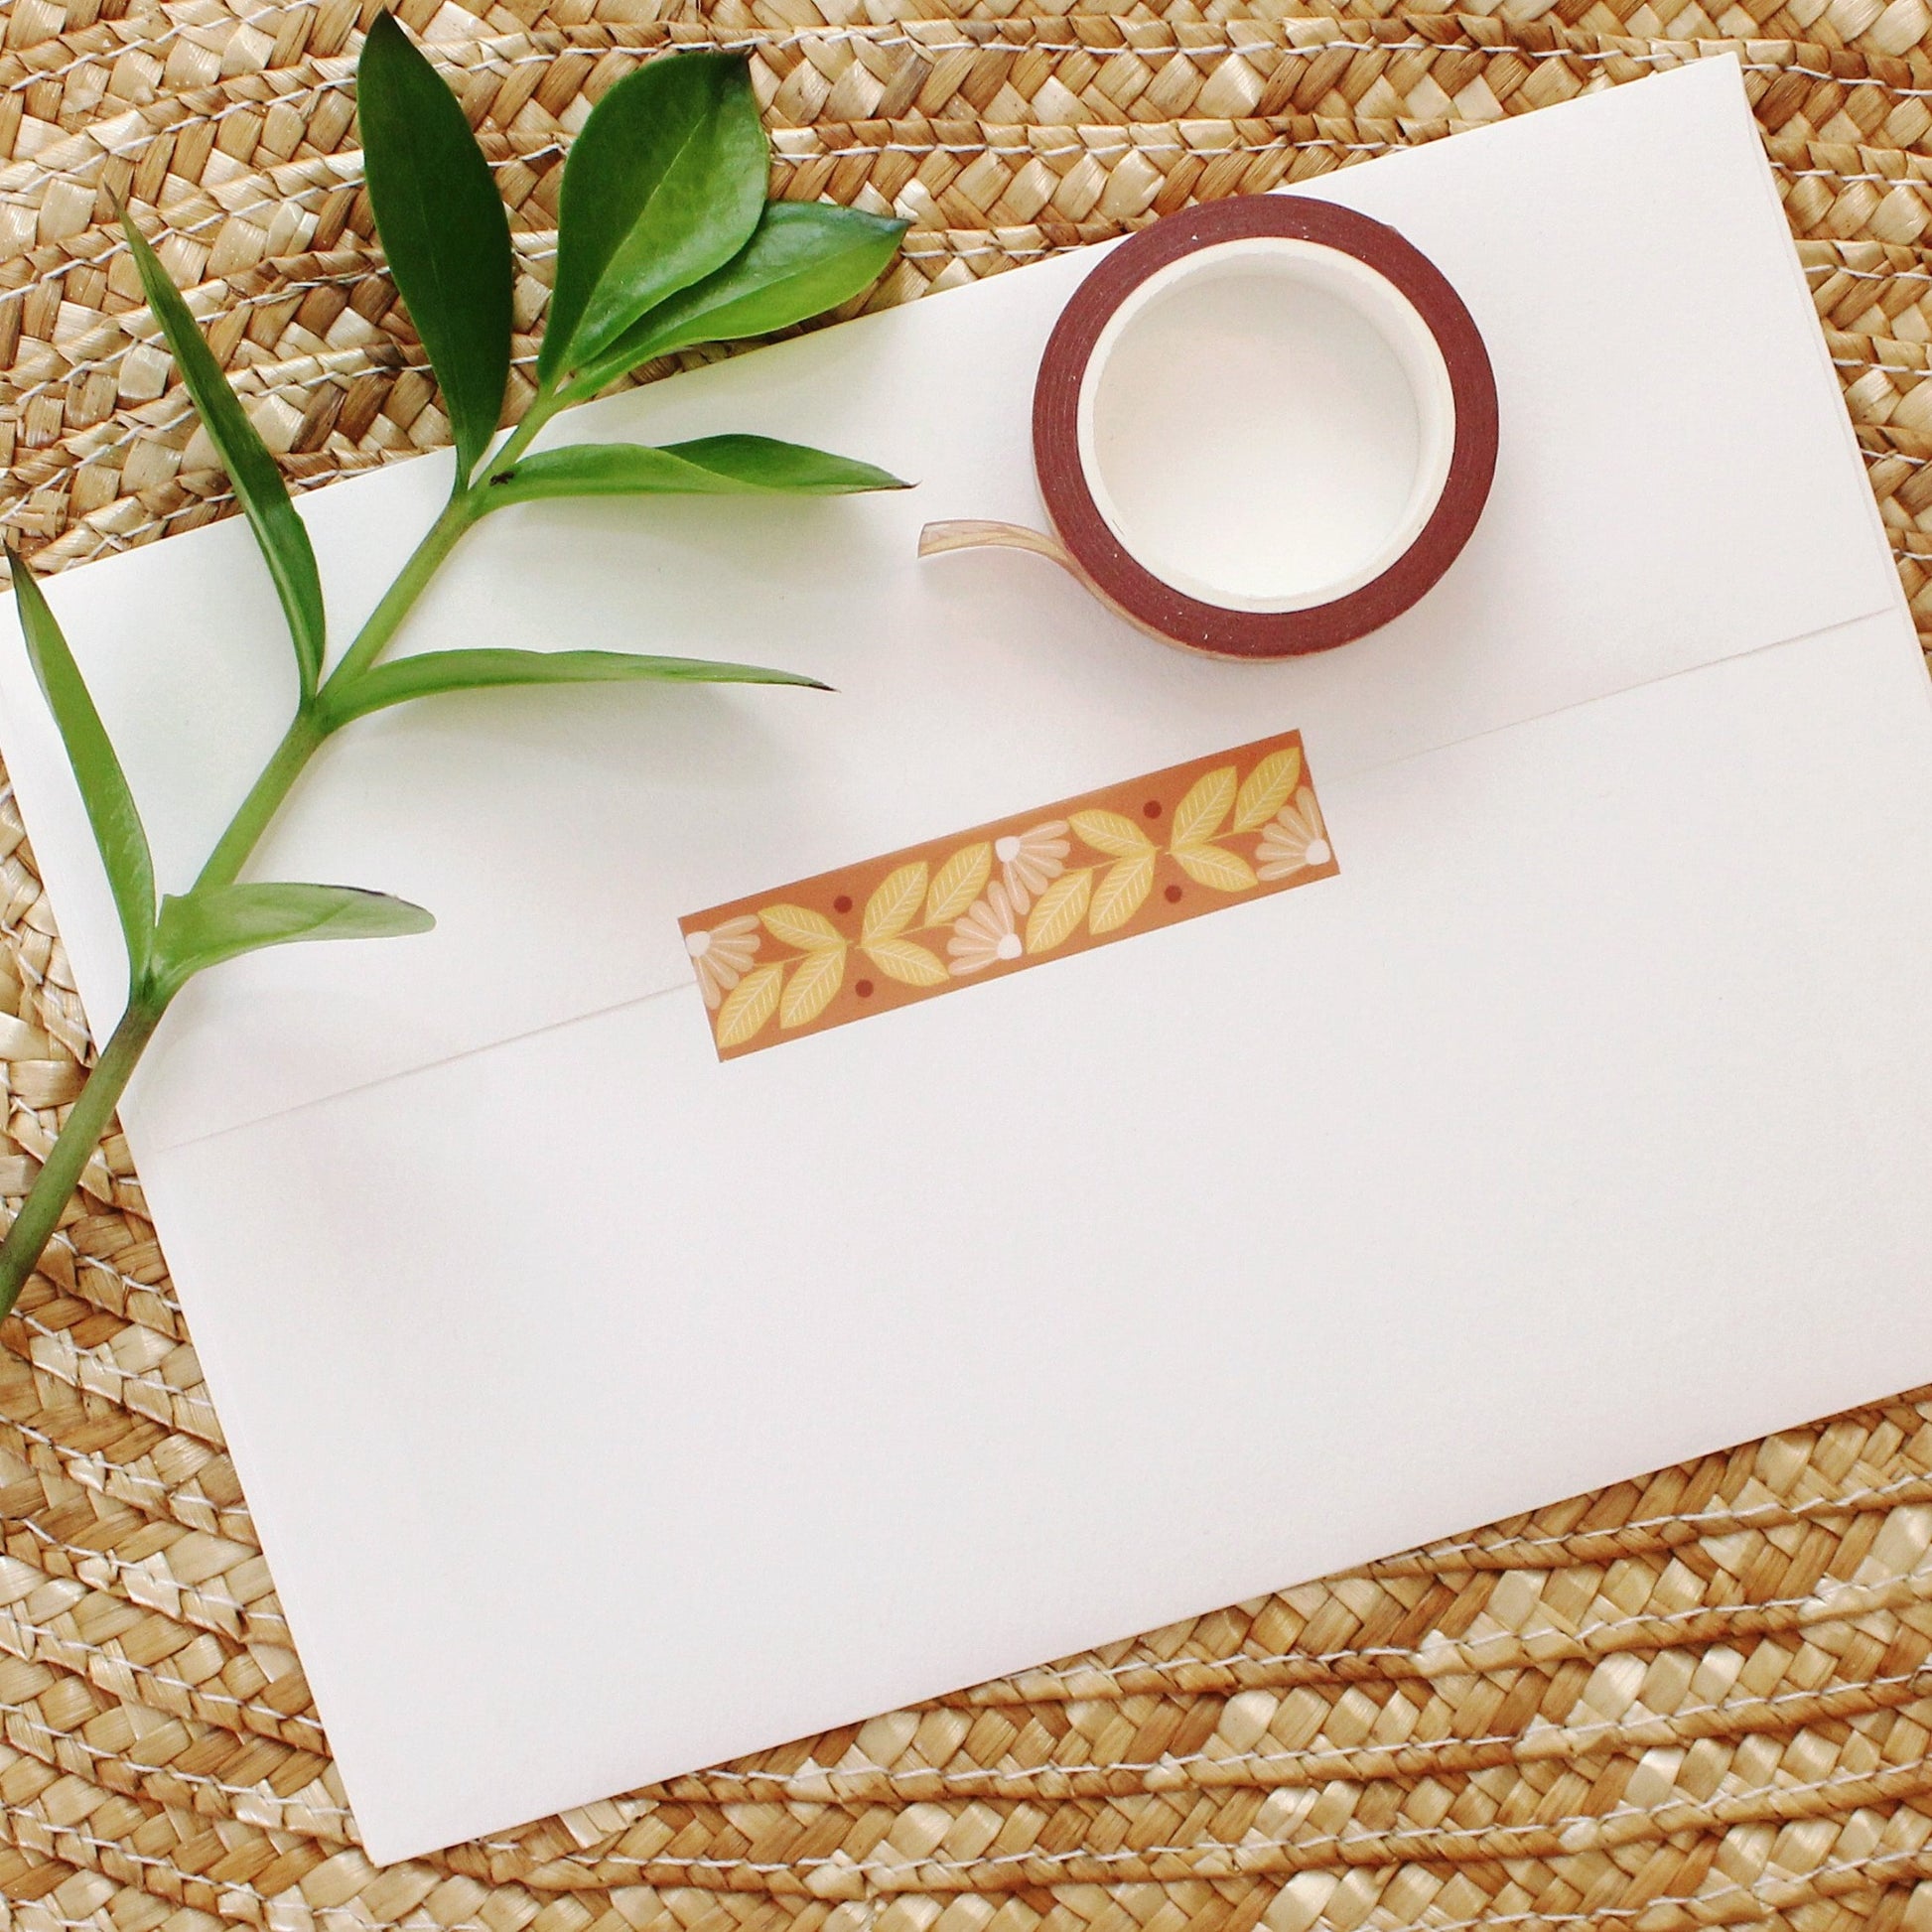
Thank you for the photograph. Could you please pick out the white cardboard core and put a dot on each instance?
(1266, 424)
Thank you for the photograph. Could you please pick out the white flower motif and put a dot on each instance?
(1031, 861)
(988, 932)
(723, 956)
(1294, 840)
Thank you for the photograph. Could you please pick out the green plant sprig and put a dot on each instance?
(665, 240)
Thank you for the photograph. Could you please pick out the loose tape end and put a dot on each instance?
(973, 533)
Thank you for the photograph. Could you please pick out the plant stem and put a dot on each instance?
(399, 599)
(311, 724)
(542, 407)
(41, 1212)
(264, 799)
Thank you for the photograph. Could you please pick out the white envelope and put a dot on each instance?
(608, 1411)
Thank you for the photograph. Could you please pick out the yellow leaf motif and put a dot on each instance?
(1265, 789)
(1199, 816)
(1059, 911)
(1111, 833)
(809, 991)
(1215, 864)
(956, 884)
(1121, 893)
(894, 905)
(800, 927)
(752, 1002)
(906, 960)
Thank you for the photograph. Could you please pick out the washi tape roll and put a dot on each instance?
(1262, 427)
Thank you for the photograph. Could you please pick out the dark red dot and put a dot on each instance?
(1152, 809)
(1173, 895)
(843, 903)
(864, 989)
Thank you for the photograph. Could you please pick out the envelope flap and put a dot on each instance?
(1676, 483)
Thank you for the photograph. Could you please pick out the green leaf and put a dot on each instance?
(258, 484)
(795, 468)
(435, 671)
(204, 928)
(122, 842)
(664, 184)
(443, 228)
(713, 466)
(803, 259)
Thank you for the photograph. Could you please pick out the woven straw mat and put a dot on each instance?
(1701, 1698)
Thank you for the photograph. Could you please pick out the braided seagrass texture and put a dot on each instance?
(1705, 1699)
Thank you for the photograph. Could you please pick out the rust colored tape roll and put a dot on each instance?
(1068, 491)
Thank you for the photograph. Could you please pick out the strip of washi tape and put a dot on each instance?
(1006, 897)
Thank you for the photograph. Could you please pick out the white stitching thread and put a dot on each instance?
(891, 36)
(127, 1378)
(1913, 1777)
(1916, 1778)
(79, 1465)
(1910, 1862)
(1832, 270)
(37, 1635)
(174, 32)
(1918, 1582)
(120, 1566)
(1773, 1514)
(255, 1794)
(1558, 1740)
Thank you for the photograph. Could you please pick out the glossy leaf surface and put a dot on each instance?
(111, 814)
(258, 484)
(437, 671)
(443, 228)
(713, 466)
(665, 183)
(202, 929)
(803, 258)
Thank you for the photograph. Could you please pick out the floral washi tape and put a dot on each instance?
(928, 920)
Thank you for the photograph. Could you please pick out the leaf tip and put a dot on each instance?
(19, 577)
(136, 240)
(385, 31)
(382, 33)
(414, 919)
